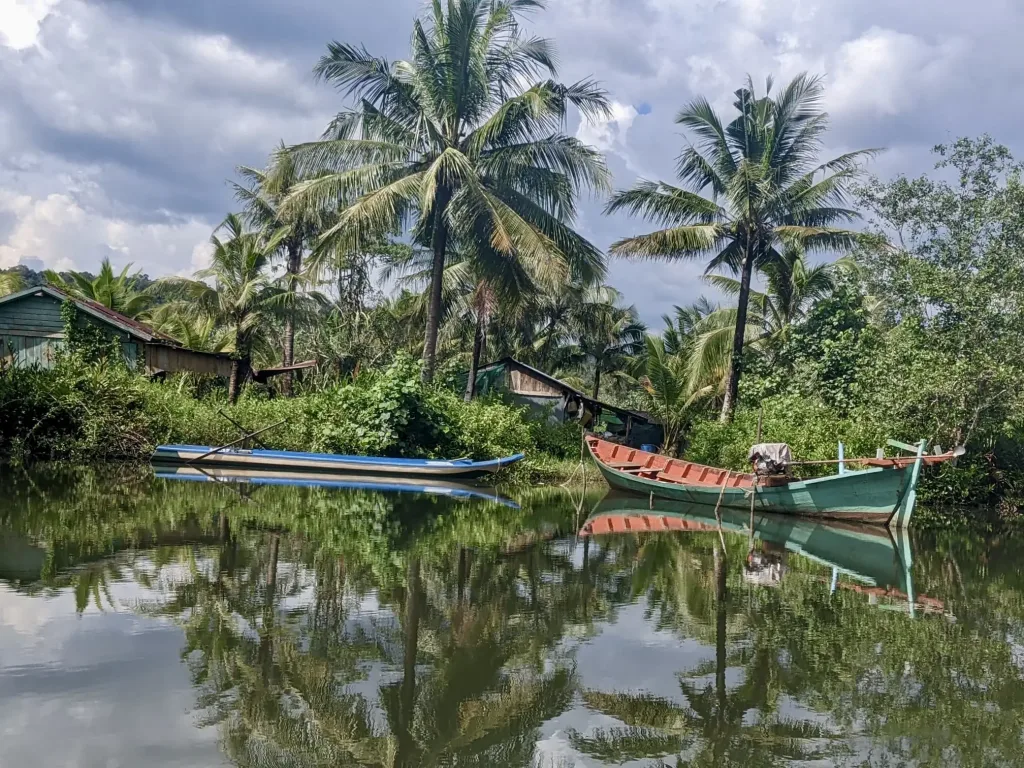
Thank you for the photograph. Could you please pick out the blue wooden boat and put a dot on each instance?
(244, 458)
(384, 484)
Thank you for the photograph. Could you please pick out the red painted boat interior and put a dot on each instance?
(634, 523)
(654, 466)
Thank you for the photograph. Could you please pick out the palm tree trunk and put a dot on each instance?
(732, 386)
(597, 380)
(436, 278)
(233, 382)
(237, 371)
(294, 265)
(266, 649)
(478, 346)
(463, 575)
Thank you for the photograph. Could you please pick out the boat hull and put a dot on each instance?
(867, 496)
(201, 456)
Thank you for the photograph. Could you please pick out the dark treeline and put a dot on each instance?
(435, 218)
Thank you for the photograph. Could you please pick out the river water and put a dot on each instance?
(160, 622)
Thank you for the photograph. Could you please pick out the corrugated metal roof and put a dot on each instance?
(126, 324)
(559, 384)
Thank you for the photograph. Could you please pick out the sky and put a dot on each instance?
(121, 121)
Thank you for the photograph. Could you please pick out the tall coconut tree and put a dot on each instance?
(243, 299)
(116, 291)
(750, 188)
(460, 146)
(262, 196)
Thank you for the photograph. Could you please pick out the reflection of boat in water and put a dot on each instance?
(333, 480)
(875, 560)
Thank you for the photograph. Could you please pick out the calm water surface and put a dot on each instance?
(158, 622)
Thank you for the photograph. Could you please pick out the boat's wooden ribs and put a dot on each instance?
(641, 524)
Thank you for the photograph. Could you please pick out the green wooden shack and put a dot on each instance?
(523, 384)
(32, 332)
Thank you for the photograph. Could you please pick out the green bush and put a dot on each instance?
(562, 441)
(82, 412)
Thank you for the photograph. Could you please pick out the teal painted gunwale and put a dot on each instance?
(870, 495)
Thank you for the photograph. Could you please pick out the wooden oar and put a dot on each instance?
(236, 442)
(240, 428)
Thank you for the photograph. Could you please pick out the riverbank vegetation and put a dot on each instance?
(433, 226)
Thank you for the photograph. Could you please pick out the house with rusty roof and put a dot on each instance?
(523, 384)
(32, 332)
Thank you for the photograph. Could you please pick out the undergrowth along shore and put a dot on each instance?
(87, 413)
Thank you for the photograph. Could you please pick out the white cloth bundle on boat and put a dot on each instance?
(776, 453)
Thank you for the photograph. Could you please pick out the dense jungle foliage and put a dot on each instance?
(432, 228)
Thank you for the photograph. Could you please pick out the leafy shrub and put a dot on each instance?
(562, 441)
(489, 430)
(82, 412)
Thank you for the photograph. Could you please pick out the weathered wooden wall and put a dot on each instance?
(32, 332)
(171, 359)
(31, 316)
(525, 384)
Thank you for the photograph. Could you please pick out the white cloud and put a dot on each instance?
(63, 233)
(885, 73)
(20, 20)
(608, 134)
(154, 103)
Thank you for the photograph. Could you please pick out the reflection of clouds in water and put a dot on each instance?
(555, 752)
(111, 685)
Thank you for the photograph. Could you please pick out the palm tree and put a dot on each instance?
(557, 316)
(670, 397)
(608, 335)
(11, 282)
(792, 287)
(767, 191)
(262, 198)
(244, 298)
(455, 143)
(117, 292)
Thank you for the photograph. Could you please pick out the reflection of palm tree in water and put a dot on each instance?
(470, 689)
(711, 728)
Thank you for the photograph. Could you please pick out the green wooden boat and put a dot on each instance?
(882, 494)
